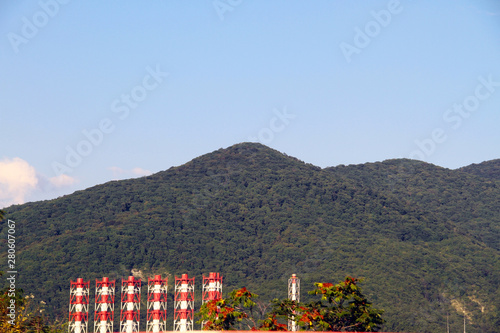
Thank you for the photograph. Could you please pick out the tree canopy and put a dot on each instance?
(342, 307)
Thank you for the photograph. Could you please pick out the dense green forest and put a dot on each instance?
(488, 169)
(425, 239)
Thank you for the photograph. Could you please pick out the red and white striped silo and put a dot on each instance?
(104, 306)
(131, 305)
(184, 303)
(212, 287)
(79, 306)
(157, 304)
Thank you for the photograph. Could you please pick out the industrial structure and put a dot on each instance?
(79, 306)
(293, 295)
(157, 304)
(104, 306)
(184, 303)
(211, 289)
(131, 305)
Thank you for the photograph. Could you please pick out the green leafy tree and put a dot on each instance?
(271, 323)
(342, 308)
(223, 314)
(285, 310)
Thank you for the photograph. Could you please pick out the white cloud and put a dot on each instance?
(141, 172)
(62, 180)
(119, 173)
(116, 171)
(19, 180)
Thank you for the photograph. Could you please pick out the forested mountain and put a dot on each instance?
(424, 238)
(488, 169)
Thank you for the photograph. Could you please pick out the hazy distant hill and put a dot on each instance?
(425, 238)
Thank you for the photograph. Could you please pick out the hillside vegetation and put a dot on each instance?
(425, 239)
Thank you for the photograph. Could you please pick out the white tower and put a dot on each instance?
(293, 295)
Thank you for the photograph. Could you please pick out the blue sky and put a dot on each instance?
(93, 91)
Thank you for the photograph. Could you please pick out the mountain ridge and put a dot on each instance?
(257, 215)
(472, 169)
(488, 169)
